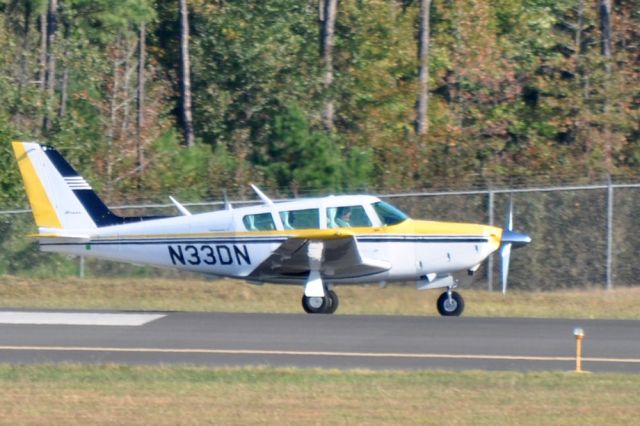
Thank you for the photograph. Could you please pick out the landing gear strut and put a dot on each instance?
(321, 305)
(450, 304)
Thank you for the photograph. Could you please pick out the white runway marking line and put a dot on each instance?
(77, 318)
(312, 353)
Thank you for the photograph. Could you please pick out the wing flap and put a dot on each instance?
(341, 258)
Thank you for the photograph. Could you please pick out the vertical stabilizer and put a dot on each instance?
(59, 197)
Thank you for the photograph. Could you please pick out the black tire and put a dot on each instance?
(335, 302)
(451, 308)
(311, 306)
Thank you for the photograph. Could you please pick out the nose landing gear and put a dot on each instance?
(450, 304)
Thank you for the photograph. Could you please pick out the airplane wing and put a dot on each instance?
(341, 258)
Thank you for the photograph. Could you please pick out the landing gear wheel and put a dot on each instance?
(321, 305)
(334, 301)
(316, 305)
(450, 307)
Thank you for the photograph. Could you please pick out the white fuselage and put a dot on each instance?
(221, 244)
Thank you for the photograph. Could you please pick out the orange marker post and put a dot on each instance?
(579, 333)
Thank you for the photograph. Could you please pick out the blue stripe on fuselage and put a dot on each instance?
(271, 240)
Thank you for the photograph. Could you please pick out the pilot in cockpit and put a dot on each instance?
(343, 217)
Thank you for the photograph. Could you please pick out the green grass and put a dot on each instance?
(72, 394)
(237, 296)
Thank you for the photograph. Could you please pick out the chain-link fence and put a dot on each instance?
(583, 236)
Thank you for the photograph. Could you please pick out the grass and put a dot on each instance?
(236, 296)
(71, 394)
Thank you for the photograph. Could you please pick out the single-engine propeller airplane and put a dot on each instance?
(318, 243)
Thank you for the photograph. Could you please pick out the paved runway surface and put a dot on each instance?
(338, 341)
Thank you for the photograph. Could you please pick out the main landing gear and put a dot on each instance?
(321, 305)
(450, 304)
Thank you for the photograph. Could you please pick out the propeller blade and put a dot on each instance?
(508, 222)
(505, 255)
(510, 239)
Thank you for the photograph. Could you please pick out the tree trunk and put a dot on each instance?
(580, 70)
(604, 10)
(65, 71)
(43, 50)
(50, 69)
(457, 101)
(140, 103)
(127, 74)
(327, 11)
(185, 76)
(578, 37)
(23, 76)
(113, 119)
(422, 122)
(24, 54)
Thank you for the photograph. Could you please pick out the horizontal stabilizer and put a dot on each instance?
(61, 237)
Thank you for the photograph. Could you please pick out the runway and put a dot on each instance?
(324, 341)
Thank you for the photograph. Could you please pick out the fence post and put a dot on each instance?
(490, 265)
(609, 234)
(81, 269)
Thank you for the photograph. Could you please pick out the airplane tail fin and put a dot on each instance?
(59, 197)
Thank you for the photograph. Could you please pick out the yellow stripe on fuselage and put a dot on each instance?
(43, 211)
(425, 227)
(428, 227)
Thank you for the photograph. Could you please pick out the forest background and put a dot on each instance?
(316, 96)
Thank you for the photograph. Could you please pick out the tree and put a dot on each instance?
(423, 68)
(140, 100)
(299, 158)
(185, 76)
(328, 11)
(604, 11)
(50, 64)
(250, 61)
(64, 89)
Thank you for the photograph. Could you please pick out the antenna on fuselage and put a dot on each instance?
(262, 196)
(180, 207)
(227, 203)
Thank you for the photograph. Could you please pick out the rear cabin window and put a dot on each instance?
(259, 222)
(300, 219)
(347, 217)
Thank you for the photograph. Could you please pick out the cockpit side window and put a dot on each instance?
(347, 217)
(388, 214)
(259, 222)
(300, 219)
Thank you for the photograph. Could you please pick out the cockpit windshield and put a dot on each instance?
(388, 214)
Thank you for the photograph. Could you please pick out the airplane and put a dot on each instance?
(317, 243)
